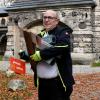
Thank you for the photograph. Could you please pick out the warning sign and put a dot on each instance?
(17, 65)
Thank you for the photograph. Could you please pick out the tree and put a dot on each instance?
(4, 3)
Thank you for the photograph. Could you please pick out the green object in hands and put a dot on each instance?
(36, 56)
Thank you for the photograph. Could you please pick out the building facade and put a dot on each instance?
(83, 16)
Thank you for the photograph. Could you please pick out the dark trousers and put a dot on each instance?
(52, 89)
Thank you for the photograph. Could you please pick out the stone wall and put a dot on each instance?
(79, 19)
(96, 40)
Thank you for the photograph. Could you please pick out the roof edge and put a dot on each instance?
(90, 4)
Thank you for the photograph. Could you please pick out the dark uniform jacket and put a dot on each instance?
(61, 53)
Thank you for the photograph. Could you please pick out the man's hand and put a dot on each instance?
(36, 56)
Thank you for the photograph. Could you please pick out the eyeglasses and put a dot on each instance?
(49, 17)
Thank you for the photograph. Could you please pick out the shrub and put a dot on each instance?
(1, 57)
(96, 63)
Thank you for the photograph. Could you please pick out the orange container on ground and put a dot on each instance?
(17, 65)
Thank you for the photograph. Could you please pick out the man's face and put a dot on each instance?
(50, 20)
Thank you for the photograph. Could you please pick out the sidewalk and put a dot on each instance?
(4, 66)
(85, 69)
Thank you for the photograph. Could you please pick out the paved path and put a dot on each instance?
(4, 66)
(85, 69)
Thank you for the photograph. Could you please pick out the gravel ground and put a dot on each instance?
(87, 87)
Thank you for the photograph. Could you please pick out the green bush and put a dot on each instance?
(96, 63)
(1, 57)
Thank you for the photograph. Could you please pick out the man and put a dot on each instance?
(54, 68)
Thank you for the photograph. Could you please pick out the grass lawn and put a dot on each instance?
(7, 94)
(1, 57)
